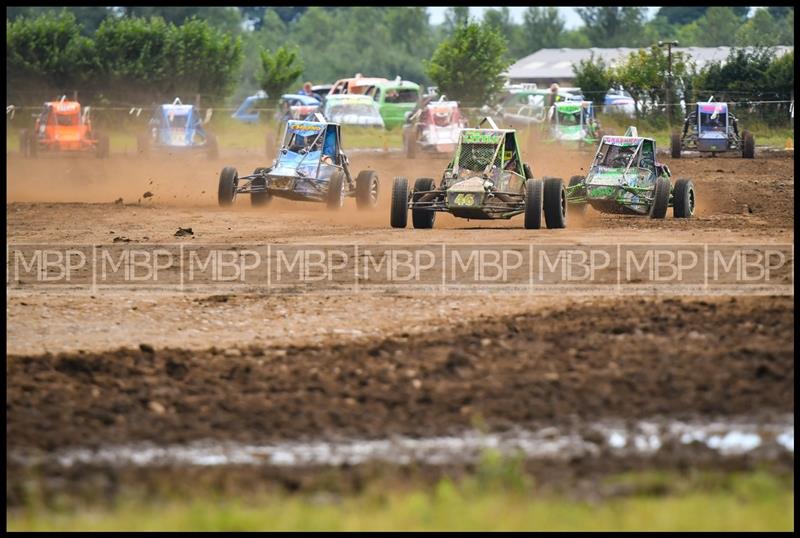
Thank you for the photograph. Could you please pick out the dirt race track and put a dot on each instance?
(89, 370)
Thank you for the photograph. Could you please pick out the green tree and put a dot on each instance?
(500, 21)
(592, 76)
(761, 30)
(644, 74)
(542, 27)
(468, 66)
(455, 17)
(681, 14)
(279, 71)
(47, 54)
(88, 17)
(717, 27)
(614, 26)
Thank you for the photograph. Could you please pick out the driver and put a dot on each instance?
(618, 156)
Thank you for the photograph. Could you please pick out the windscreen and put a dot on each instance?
(569, 118)
(177, 121)
(401, 95)
(615, 155)
(478, 151)
(713, 121)
(67, 119)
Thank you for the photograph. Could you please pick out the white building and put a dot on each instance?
(546, 66)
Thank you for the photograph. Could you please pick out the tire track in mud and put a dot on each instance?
(619, 359)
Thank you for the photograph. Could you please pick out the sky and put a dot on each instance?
(568, 13)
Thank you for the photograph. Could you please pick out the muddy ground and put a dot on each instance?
(88, 370)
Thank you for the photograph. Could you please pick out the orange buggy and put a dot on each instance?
(62, 127)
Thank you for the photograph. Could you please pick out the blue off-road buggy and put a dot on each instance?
(177, 127)
(712, 128)
(310, 166)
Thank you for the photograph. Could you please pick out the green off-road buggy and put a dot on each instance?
(573, 123)
(626, 178)
(486, 179)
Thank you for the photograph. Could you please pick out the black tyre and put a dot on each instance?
(580, 209)
(366, 189)
(422, 218)
(228, 181)
(534, 203)
(335, 198)
(143, 143)
(675, 145)
(399, 211)
(683, 199)
(212, 149)
(527, 169)
(260, 199)
(103, 149)
(660, 199)
(555, 203)
(410, 143)
(748, 145)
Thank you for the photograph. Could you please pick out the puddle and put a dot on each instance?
(727, 438)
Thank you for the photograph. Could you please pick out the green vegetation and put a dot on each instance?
(279, 71)
(498, 496)
(54, 49)
(468, 66)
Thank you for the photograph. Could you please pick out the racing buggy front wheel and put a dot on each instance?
(399, 214)
(102, 147)
(228, 181)
(259, 199)
(366, 189)
(660, 199)
(211, 146)
(748, 145)
(534, 189)
(675, 146)
(335, 198)
(555, 203)
(422, 218)
(683, 199)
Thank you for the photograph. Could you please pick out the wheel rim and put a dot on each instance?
(373, 191)
(691, 201)
(563, 203)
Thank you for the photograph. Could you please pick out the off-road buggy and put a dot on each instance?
(626, 178)
(61, 127)
(310, 166)
(486, 179)
(433, 128)
(573, 122)
(711, 128)
(177, 127)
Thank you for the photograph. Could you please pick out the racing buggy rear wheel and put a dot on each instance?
(675, 145)
(534, 189)
(574, 181)
(748, 145)
(335, 198)
(555, 203)
(102, 148)
(143, 144)
(260, 199)
(660, 199)
(211, 146)
(228, 181)
(366, 189)
(399, 211)
(422, 218)
(683, 199)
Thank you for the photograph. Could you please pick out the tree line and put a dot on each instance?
(141, 53)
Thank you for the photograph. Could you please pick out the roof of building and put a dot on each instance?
(557, 63)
